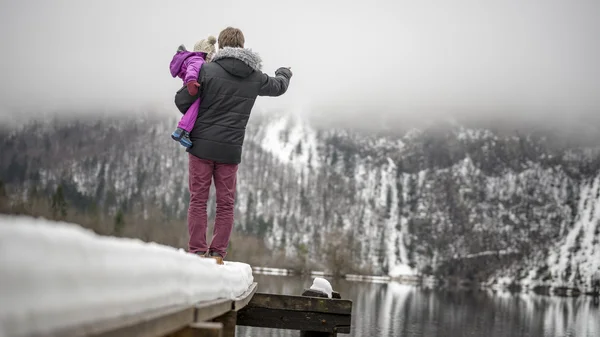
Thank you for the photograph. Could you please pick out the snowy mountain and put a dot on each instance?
(505, 207)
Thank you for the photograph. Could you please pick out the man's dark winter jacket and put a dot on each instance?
(229, 86)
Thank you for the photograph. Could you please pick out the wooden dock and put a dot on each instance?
(104, 286)
(311, 313)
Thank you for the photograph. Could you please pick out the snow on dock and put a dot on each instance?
(55, 275)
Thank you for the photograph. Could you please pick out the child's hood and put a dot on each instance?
(179, 58)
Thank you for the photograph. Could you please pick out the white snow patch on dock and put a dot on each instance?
(56, 275)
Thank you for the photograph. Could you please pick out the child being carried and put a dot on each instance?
(186, 65)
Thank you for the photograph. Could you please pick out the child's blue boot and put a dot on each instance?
(185, 139)
(177, 134)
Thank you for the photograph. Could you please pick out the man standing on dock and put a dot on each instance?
(229, 86)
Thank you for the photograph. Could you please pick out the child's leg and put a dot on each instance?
(189, 119)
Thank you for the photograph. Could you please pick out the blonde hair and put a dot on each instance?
(231, 37)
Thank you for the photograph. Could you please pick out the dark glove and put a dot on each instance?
(284, 71)
(193, 88)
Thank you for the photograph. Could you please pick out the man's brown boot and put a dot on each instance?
(216, 256)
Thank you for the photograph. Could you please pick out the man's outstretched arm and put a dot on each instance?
(275, 86)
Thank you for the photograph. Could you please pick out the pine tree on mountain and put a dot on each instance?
(412, 196)
(33, 194)
(250, 211)
(334, 158)
(388, 203)
(2, 190)
(304, 202)
(4, 206)
(119, 223)
(349, 163)
(59, 204)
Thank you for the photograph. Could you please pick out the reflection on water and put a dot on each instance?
(400, 310)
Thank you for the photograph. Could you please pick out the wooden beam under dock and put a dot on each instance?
(297, 313)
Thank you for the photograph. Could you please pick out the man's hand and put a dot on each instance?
(193, 88)
(285, 71)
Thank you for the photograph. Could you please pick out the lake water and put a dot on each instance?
(401, 310)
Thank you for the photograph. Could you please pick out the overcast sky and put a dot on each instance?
(403, 59)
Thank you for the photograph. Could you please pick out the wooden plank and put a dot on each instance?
(152, 323)
(243, 300)
(300, 303)
(200, 329)
(294, 320)
(157, 324)
(316, 293)
(208, 310)
(317, 334)
(207, 329)
(229, 321)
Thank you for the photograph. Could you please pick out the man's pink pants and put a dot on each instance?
(201, 174)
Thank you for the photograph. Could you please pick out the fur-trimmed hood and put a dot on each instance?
(239, 62)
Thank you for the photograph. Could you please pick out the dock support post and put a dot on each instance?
(313, 293)
(229, 321)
